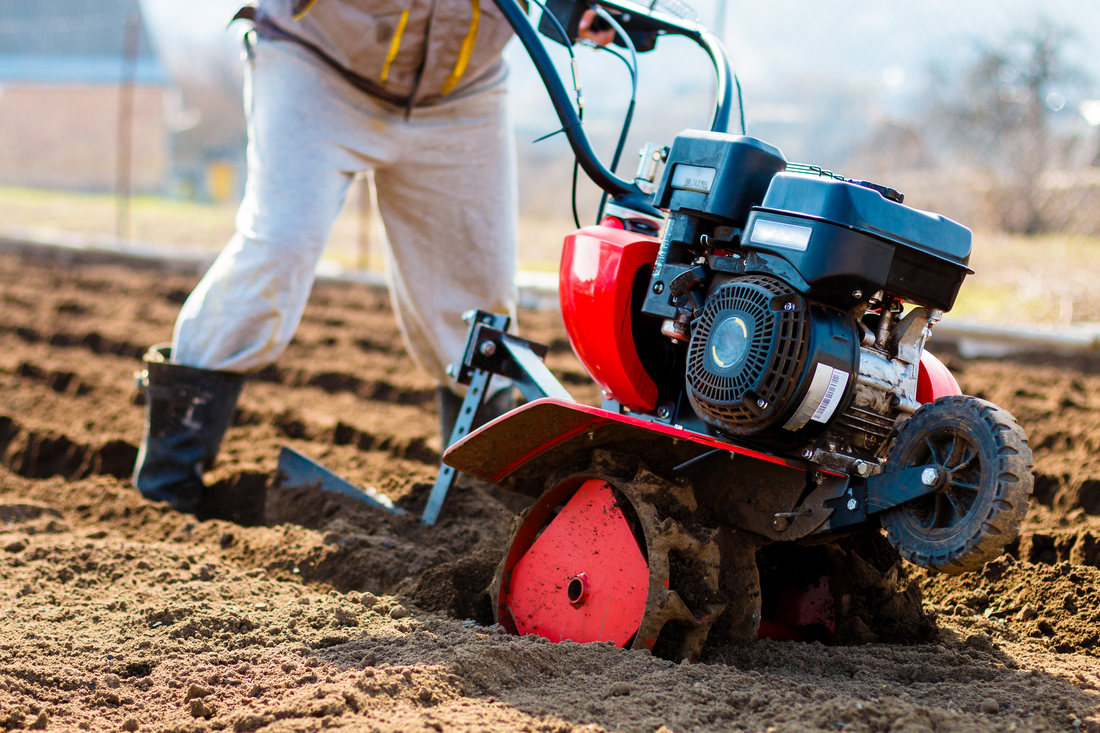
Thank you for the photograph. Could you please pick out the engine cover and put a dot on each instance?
(842, 237)
(763, 362)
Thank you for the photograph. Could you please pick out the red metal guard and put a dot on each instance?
(584, 578)
(599, 265)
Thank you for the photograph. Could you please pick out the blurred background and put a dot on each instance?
(121, 119)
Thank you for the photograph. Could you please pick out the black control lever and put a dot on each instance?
(624, 192)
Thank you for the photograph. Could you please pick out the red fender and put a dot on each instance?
(599, 266)
(934, 380)
(517, 448)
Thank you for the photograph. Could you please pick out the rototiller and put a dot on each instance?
(758, 330)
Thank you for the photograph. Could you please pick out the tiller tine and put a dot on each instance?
(296, 470)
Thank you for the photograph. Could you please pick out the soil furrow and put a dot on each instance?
(290, 608)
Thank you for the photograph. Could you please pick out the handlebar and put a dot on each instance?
(623, 191)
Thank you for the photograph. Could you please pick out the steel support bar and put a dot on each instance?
(893, 488)
(490, 350)
(471, 403)
(883, 491)
(532, 377)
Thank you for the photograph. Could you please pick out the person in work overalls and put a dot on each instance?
(411, 89)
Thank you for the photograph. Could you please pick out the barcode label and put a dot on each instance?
(837, 381)
(822, 398)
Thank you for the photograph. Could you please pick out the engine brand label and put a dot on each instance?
(822, 399)
(692, 178)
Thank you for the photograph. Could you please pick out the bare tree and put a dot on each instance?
(999, 115)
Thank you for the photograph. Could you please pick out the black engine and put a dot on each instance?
(803, 299)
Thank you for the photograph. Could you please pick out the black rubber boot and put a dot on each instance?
(449, 403)
(187, 411)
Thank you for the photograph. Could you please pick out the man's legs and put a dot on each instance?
(449, 208)
(245, 310)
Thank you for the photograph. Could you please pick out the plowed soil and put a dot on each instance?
(305, 611)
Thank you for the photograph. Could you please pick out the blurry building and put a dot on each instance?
(83, 97)
(200, 51)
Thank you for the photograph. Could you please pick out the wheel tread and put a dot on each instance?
(1005, 497)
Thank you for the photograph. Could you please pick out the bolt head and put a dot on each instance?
(929, 476)
(852, 505)
(658, 287)
(808, 453)
(487, 348)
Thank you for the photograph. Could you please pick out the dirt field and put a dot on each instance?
(308, 612)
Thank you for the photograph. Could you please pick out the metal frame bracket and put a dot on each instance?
(491, 350)
(884, 491)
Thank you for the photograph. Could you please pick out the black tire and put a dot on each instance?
(968, 521)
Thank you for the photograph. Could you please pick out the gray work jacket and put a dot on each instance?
(407, 52)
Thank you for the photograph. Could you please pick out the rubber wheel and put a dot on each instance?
(969, 520)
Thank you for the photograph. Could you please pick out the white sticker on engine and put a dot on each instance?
(822, 399)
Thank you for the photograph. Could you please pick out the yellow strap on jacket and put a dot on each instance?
(395, 44)
(303, 8)
(466, 50)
